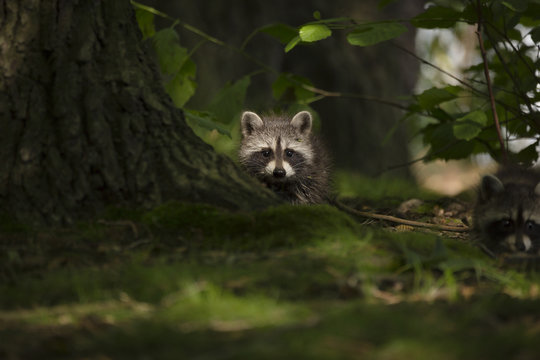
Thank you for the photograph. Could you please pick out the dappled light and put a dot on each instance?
(269, 180)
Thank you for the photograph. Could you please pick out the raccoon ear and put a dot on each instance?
(491, 185)
(250, 122)
(302, 122)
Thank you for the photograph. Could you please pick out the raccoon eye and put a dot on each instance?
(506, 223)
(530, 225)
(266, 152)
(289, 152)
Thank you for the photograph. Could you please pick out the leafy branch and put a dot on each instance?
(458, 115)
(286, 35)
(488, 81)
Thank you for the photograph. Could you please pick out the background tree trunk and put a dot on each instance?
(85, 122)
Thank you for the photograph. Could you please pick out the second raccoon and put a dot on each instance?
(506, 217)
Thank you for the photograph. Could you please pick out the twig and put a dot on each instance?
(461, 81)
(394, 219)
(424, 61)
(516, 51)
(513, 77)
(422, 158)
(354, 96)
(488, 81)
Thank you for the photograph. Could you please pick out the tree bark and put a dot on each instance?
(85, 122)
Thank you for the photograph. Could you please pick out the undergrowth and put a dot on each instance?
(307, 282)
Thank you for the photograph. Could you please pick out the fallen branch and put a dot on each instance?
(394, 219)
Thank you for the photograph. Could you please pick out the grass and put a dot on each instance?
(303, 282)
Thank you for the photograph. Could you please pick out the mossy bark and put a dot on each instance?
(84, 121)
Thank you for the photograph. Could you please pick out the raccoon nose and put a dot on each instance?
(521, 246)
(279, 173)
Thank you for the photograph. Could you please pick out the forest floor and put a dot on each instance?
(292, 282)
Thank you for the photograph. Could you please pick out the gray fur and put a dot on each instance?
(491, 185)
(283, 154)
(506, 217)
(250, 122)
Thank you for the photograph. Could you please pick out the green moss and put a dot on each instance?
(425, 208)
(385, 190)
(286, 225)
(302, 282)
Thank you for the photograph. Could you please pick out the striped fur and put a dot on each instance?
(506, 217)
(283, 154)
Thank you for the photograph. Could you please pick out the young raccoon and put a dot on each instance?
(284, 155)
(507, 213)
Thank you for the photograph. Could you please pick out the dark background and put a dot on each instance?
(353, 129)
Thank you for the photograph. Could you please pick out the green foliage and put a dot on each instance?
(457, 119)
(470, 125)
(145, 20)
(461, 121)
(229, 101)
(314, 32)
(365, 34)
(197, 281)
(179, 73)
(280, 226)
(176, 65)
(205, 120)
(284, 33)
(431, 98)
(371, 34)
(436, 17)
(292, 87)
(383, 190)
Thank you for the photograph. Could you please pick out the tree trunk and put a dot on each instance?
(85, 123)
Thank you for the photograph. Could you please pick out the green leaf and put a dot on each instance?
(371, 34)
(284, 33)
(531, 17)
(280, 85)
(314, 32)
(182, 86)
(145, 20)
(229, 102)
(170, 54)
(436, 17)
(206, 121)
(435, 96)
(528, 155)
(317, 15)
(470, 125)
(293, 83)
(174, 61)
(443, 144)
(535, 34)
(529, 22)
(294, 41)
(516, 5)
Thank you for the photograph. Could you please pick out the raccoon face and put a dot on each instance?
(276, 150)
(508, 216)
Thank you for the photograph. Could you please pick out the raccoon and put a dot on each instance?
(506, 216)
(284, 155)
